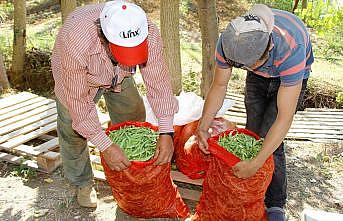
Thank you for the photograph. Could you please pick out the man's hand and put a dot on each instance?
(164, 149)
(115, 158)
(202, 136)
(246, 169)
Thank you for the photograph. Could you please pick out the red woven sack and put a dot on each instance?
(145, 190)
(226, 197)
(190, 160)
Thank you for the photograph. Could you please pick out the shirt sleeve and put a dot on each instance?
(80, 104)
(292, 70)
(157, 80)
(219, 55)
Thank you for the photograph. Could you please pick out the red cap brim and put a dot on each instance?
(130, 56)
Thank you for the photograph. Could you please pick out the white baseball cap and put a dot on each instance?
(125, 26)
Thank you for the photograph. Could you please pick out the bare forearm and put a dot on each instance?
(215, 100)
(273, 139)
(215, 97)
(287, 102)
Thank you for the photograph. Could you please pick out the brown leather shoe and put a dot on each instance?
(86, 196)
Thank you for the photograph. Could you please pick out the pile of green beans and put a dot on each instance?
(138, 143)
(243, 146)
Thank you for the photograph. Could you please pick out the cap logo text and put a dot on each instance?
(129, 33)
(250, 17)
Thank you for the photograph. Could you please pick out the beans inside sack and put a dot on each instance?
(138, 143)
(243, 146)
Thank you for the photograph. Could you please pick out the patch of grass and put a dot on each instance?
(66, 202)
(23, 171)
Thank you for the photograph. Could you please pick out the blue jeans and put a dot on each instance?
(123, 106)
(261, 107)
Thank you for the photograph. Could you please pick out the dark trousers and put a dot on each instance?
(261, 107)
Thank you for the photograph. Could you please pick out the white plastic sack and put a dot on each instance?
(190, 109)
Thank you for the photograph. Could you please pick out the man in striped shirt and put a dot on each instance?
(274, 47)
(96, 53)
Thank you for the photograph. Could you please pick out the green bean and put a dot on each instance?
(243, 146)
(138, 143)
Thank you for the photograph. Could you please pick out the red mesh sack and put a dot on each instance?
(144, 190)
(190, 160)
(226, 197)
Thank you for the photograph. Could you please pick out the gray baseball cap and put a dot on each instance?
(246, 38)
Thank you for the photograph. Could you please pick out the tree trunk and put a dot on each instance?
(19, 43)
(209, 36)
(169, 16)
(67, 6)
(4, 84)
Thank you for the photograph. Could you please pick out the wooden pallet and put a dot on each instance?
(26, 124)
(317, 124)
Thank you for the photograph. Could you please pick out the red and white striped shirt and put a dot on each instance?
(80, 66)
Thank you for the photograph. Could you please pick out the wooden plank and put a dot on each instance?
(35, 151)
(322, 117)
(180, 177)
(324, 110)
(236, 114)
(235, 99)
(18, 160)
(312, 131)
(28, 128)
(323, 113)
(16, 98)
(49, 161)
(236, 109)
(327, 123)
(27, 137)
(314, 136)
(300, 118)
(27, 121)
(316, 127)
(99, 175)
(27, 114)
(51, 155)
(95, 159)
(103, 119)
(235, 95)
(189, 194)
(23, 109)
(239, 119)
(18, 106)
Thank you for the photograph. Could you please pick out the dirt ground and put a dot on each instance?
(315, 180)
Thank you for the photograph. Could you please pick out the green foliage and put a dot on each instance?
(326, 18)
(339, 99)
(191, 82)
(6, 10)
(24, 172)
(285, 5)
(186, 6)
